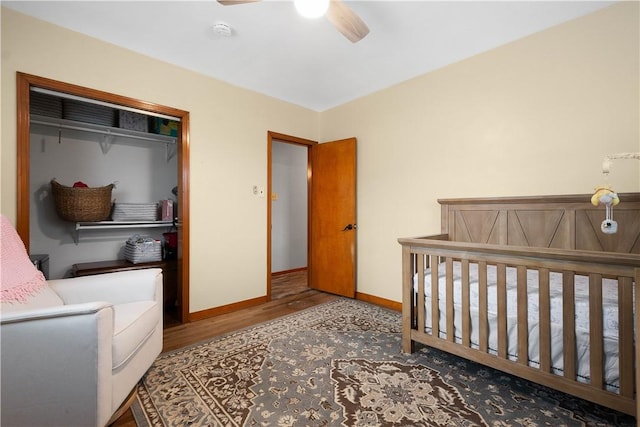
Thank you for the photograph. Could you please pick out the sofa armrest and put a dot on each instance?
(117, 288)
(56, 365)
(53, 312)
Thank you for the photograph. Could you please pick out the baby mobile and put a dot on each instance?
(604, 194)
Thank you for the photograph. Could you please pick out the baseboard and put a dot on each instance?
(216, 311)
(293, 270)
(382, 302)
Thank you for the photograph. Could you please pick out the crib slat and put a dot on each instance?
(421, 301)
(435, 311)
(523, 313)
(595, 330)
(449, 300)
(545, 320)
(466, 307)
(502, 310)
(625, 338)
(483, 334)
(569, 325)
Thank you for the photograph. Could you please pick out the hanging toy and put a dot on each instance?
(605, 195)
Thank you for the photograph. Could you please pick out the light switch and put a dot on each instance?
(258, 191)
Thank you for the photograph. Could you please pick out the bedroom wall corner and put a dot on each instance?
(228, 144)
(533, 117)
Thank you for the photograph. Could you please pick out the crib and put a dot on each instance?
(532, 287)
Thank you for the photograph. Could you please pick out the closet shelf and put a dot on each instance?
(121, 224)
(110, 225)
(108, 132)
(100, 129)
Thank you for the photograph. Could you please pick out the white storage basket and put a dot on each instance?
(139, 249)
(135, 212)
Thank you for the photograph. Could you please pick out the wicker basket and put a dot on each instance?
(82, 203)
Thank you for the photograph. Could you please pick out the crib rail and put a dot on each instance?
(438, 254)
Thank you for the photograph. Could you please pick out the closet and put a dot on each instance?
(81, 141)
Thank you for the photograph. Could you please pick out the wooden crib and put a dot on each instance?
(514, 278)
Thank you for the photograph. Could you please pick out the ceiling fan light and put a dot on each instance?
(311, 8)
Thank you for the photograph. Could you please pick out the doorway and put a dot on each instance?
(289, 206)
(287, 215)
(25, 83)
(331, 214)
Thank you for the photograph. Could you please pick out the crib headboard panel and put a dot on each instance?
(557, 222)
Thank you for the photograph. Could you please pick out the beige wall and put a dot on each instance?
(533, 117)
(228, 145)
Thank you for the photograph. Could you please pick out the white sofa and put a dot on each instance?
(73, 350)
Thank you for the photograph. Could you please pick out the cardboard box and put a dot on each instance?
(162, 126)
(133, 121)
(166, 210)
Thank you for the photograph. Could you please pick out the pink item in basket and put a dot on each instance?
(19, 278)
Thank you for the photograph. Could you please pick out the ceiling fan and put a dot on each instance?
(341, 16)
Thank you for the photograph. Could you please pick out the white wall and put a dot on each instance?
(139, 169)
(289, 211)
(227, 143)
(533, 117)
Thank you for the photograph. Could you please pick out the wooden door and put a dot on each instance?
(332, 253)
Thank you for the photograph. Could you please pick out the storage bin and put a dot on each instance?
(162, 126)
(82, 204)
(133, 121)
(43, 104)
(88, 113)
(135, 212)
(170, 244)
(140, 249)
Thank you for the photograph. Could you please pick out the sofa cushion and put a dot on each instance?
(43, 299)
(133, 323)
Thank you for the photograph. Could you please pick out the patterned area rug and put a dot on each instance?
(340, 364)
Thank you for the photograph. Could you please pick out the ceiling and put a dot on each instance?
(274, 51)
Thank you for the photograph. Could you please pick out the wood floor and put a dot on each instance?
(283, 302)
(288, 283)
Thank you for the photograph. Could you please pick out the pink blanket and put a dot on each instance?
(19, 278)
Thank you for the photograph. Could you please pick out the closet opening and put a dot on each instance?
(70, 136)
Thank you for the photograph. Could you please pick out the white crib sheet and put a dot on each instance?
(581, 303)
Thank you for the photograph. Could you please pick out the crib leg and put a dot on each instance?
(408, 346)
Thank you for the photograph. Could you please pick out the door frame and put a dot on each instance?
(288, 139)
(24, 82)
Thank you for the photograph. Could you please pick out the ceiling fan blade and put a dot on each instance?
(346, 21)
(232, 2)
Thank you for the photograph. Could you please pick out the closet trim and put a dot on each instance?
(24, 84)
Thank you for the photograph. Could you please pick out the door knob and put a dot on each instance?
(349, 227)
